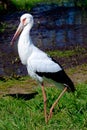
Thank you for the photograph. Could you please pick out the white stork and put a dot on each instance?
(38, 63)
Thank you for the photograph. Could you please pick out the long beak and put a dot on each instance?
(17, 33)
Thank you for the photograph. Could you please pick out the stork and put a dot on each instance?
(38, 63)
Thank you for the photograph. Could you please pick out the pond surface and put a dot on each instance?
(54, 28)
(59, 26)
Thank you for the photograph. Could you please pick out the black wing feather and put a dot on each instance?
(60, 77)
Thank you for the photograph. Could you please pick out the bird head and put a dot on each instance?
(24, 20)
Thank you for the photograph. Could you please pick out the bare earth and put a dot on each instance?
(28, 88)
(78, 74)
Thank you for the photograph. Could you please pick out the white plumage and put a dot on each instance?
(42, 63)
(38, 63)
(31, 56)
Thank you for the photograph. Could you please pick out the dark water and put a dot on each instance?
(54, 28)
(59, 27)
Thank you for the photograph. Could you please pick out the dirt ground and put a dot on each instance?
(28, 88)
(78, 74)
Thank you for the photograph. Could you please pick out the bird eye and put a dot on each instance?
(23, 20)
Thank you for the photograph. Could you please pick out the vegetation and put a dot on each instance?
(23, 110)
(58, 53)
(27, 4)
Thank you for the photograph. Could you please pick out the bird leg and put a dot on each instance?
(45, 100)
(54, 104)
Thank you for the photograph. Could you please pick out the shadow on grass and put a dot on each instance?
(23, 96)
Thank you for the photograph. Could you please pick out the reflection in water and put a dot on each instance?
(54, 28)
(61, 28)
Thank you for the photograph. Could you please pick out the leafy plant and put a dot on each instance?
(17, 113)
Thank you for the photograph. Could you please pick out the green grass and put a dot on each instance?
(58, 53)
(28, 4)
(20, 114)
(67, 53)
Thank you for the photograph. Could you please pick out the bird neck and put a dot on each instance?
(24, 45)
(25, 35)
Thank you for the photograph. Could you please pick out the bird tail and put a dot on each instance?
(63, 78)
(68, 83)
(70, 86)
